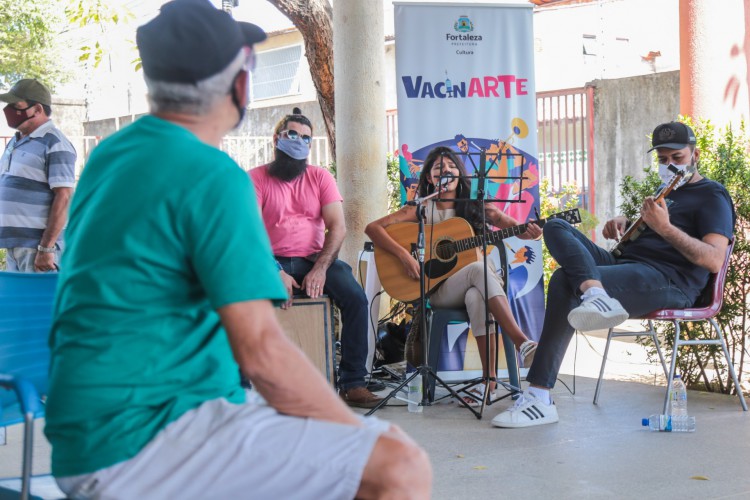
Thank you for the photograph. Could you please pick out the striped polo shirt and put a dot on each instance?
(31, 166)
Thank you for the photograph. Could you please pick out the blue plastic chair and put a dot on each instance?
(25, 317)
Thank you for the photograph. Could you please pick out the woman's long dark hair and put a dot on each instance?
(471, 210)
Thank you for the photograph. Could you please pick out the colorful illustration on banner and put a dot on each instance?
(523, 274)
(512, 175)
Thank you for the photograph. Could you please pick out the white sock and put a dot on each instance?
(594, 290)
(541, 394)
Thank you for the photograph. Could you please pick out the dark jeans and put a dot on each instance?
(639, 287)
(351, 300)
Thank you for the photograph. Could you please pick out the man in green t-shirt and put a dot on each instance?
(167, 285)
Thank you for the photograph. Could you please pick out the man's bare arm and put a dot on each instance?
(707, 252)
(333, 217)
(58, 216)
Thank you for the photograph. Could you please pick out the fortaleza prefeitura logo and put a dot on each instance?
(463, 32)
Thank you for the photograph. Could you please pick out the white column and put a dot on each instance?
(359, 69)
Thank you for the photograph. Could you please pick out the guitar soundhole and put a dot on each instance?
(444, 250)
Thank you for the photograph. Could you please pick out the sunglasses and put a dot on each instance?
(294, 135)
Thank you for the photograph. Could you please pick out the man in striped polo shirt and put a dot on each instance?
(37, 175)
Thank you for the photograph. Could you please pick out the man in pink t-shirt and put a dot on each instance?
(304, 216)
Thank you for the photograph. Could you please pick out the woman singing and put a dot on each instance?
(466, 287)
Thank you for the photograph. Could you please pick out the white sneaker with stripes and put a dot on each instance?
(527, 411)
(598, 312)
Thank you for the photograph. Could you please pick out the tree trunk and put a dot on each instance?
(314, 20)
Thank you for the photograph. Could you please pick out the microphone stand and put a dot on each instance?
(424, 369)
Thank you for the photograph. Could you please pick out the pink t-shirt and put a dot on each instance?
(292, 211)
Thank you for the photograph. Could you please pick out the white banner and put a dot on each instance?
(465, 79)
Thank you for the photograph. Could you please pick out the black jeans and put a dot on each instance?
(351, 300)
(639, 287)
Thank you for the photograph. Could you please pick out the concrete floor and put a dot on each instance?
(595, 451)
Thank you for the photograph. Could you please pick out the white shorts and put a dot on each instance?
(224, 450)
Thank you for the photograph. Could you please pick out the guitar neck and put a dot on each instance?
(659, 196)
(496, 236)
(639, 226)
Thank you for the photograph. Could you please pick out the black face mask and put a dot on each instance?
(240, 109)
(16, 117)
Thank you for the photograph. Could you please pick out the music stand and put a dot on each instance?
(481, 177)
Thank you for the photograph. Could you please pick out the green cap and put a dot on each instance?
(27, 90)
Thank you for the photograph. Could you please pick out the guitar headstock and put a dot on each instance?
(680, 177)
(572, 216)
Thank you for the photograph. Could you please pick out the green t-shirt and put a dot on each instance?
(164, 229)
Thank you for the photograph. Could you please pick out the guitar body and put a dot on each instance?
(440, 258)
(450, 246)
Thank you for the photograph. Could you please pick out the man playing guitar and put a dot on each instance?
(666, 266)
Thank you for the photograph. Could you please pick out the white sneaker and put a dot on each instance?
(527, 411)
(527, 351)
(598, 312)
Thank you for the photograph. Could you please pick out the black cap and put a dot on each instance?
(191, 40)
(672, 135)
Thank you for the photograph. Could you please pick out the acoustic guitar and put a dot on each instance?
(633, 231)
(450, 246)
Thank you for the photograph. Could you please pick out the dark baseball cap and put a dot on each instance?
(191, 40)
(672, 135)
(27, 90)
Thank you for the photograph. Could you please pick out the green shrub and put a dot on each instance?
(725, 158)
(552, 202)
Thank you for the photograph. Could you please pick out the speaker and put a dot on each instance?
(309, 324)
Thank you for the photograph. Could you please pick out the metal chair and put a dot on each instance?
(25, 318)
(706, 308)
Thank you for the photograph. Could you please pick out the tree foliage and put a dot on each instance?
(27, 42)
(552, 201)
(314, 20)
(99, 16)
(725, 158)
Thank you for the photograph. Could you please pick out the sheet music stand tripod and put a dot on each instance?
(481, 176)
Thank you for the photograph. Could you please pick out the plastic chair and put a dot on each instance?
(25, 318)
(706, 308)
(438, 320)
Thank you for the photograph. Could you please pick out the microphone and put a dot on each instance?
(444, 181)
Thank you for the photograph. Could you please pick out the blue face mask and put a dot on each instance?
(296, 148)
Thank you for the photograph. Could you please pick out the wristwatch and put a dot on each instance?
(42, 249)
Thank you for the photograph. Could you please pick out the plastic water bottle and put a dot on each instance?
(415, 394)
(678, 398)
(667, 423)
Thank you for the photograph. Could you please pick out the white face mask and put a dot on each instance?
(666, 175)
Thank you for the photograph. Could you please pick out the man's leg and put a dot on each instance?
(223, 450)
(351, 300)
(580, 259)
(20, 259)
(397, 468)
(639, 287)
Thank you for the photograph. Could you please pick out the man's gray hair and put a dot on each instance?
(193, 99)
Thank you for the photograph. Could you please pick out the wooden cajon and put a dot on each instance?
(309, 324)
